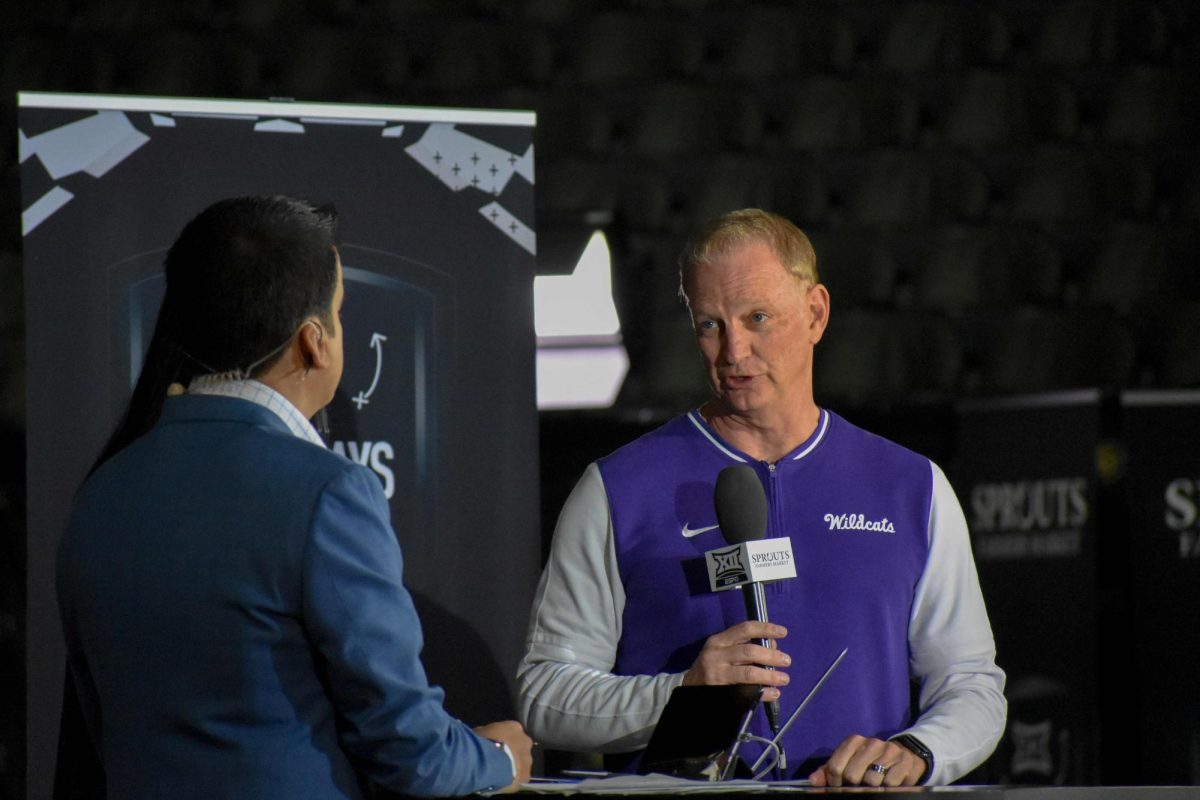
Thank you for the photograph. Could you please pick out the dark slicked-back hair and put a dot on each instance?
(241, 278)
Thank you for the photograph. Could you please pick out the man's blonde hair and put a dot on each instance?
(736, 229)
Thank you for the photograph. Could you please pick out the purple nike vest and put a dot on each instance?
(856, 508)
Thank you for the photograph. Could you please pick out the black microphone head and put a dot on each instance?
(741, 504)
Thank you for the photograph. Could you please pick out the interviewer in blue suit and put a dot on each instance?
(230, 589)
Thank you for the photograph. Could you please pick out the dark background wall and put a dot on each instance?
(1004, 195)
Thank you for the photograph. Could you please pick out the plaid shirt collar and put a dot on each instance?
(259, 394)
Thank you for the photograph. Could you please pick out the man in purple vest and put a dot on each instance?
(883, 558)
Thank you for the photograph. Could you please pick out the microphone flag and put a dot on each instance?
(758, 561)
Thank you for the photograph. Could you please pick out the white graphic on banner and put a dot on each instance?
(93, 145)
(362, 398)
(461, 161)
(43, 207)
(512, 227)
(375, 456)
(278, 126)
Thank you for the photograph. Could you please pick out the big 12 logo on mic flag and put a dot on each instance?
(758, 561)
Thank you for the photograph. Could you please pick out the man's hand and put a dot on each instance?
(512, 734)
(853, 764)
(729, 657)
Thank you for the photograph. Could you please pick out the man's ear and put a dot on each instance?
(818, 309)
(311, 341)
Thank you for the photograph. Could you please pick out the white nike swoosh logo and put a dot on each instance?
(690, 532)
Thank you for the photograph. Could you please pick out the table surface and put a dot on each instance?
(756, 792)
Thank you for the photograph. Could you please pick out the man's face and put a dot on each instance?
(756, 325)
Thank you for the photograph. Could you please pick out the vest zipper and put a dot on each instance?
(773, 516)
(773, 510)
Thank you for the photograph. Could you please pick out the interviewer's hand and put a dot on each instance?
(730, 657)
(850, 764)
(512, 734)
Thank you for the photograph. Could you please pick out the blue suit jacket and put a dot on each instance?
(236, 624)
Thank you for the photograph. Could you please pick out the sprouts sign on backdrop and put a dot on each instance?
(1027, 481)
(438, 394)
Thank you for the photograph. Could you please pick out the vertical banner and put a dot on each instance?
(1026, 477)
(1162, 478)
(438, 394)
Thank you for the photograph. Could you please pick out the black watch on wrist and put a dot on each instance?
(918, 748)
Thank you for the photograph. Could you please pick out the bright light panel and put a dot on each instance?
(580, 377)
(581, 362)
(579, 304)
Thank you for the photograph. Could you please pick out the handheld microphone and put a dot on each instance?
(741, 504)
(741, 507)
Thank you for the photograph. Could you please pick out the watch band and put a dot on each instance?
(917, 748)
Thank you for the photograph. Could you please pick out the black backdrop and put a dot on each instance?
(1162, 431)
